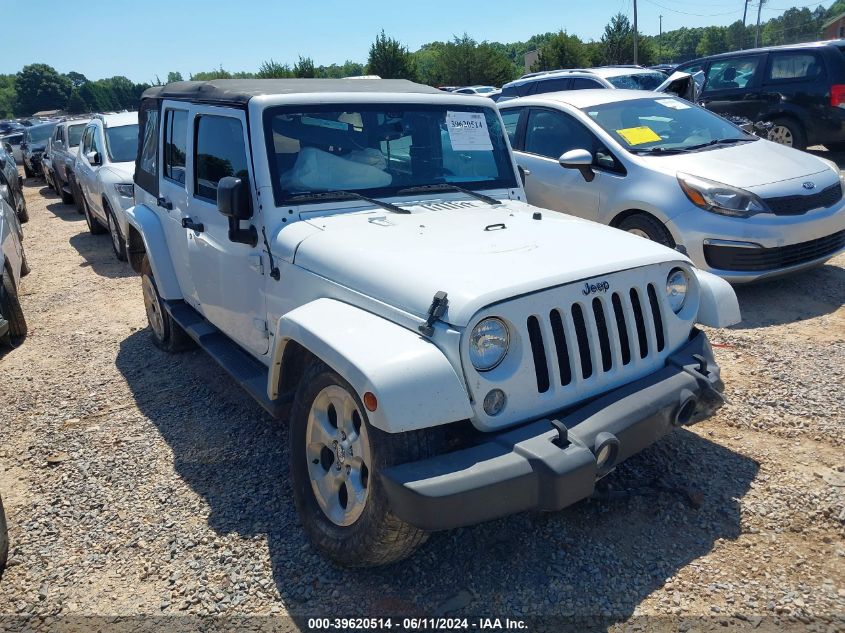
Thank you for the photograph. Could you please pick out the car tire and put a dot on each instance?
(647, 226)
(25, 269)
(27, 172)
(78, 198)
(166, 333)
(94, 226)
(118, 244)
(4, 539)
(789, 132)
(22, 211)
(367, 533)
(10, 308)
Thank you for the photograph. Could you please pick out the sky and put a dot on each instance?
(103, 38)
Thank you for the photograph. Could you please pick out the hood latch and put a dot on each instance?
(436, 310)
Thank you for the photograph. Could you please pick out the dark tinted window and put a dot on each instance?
(550, 134)
(511, 120)
(551, 85)
(220, 152)
(638, 81)
(175, 144)
(731, 73)
(582, 83)
(797, 66)
(74, 133)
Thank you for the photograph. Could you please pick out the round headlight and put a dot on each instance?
(488, 344)
(676, 288)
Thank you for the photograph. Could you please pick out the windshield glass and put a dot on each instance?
(122, 143)
(74, 133)
(40, 133)
(485, 89)
(664, 123)
(379, 149)
(638, 81)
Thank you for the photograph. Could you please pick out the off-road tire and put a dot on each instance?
(4, 539)
(652, 228)
(10, 307)
(377, 537)
(94, 226)
(796, 130)
(172, 337)
(114, 225)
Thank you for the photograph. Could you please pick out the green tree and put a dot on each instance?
(304, 68)
(272, 69)
(464, 62)
(562, 51)
(617, 43)
(76, 104)
(390, 60)
(8, 96)
(76, 79)
(713, 41)
(174, 76)
(39, 87)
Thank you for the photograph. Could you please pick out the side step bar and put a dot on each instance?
(246, 370)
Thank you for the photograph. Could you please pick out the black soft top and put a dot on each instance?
(240, 91)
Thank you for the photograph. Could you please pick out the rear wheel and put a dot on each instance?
(118, 244)
(67, 198)
(22, 211)
(76, 195)
(27, 171)
(335, 460)
(11, 310)
(649, 227)
(166, 333)
(788, 132)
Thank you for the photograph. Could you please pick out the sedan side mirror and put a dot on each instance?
(579, 159)
(233, 201)
(93, 158)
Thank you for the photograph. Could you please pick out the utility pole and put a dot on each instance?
(744, 13)
(635, 31)
(757, 32)
(660, 42)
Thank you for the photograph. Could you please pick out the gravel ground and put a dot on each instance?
(139, 483)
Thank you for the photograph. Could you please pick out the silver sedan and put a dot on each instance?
(742, 207)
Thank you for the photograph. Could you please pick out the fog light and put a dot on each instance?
(494, 402)
(606, 450)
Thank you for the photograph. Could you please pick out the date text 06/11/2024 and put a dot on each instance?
(417, 624)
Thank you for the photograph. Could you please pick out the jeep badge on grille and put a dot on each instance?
(601, 286)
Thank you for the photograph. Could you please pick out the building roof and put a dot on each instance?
(240, 91)
(835, 18)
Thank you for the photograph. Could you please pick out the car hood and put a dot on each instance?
(122, 172)
(752, 164)
(477, 253)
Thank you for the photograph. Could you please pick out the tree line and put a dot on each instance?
(458, 62)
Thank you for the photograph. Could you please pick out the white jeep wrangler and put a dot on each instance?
(360, 255)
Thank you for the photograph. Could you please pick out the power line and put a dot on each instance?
(699, 15)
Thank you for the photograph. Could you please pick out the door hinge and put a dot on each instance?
(261, 326)
(256, 263)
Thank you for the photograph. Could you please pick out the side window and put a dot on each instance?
(731, 73)
(551, 85)
(149, 147)
(691, 68)
(550, 134)
(57, 135)
(96, 141)
(582, 83)
(511, 120)
(85, 145)
(175, 144)
(219, 152)
(797, 66)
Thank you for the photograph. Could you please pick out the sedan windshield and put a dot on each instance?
(638, 81)
(122, 143)
(664, 125)
(380, 149)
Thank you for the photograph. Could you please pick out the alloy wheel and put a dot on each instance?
(153, 307)
(781, 134)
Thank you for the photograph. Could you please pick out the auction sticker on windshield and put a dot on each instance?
(638, 135)
(468, 131)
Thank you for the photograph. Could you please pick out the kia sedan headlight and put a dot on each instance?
(677, 284)
(720, 198)
(127, 190)
(488, 344)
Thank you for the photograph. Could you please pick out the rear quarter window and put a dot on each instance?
(795, 66)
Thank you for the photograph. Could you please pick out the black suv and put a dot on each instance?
(800, 88)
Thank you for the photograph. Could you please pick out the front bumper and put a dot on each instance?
(533, 468)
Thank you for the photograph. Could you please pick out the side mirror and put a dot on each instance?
(93, 158)
(579, 159)
(234, 202)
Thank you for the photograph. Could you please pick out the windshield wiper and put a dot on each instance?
(660, 150)
(719, 141)
(326, 196)
(445, 186)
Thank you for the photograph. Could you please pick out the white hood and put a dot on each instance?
(746, 165)
(403, 260)
(125, 172)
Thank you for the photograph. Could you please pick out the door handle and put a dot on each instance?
(188, 223)
(523, 173)
(164, 203)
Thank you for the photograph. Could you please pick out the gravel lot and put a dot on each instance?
(141, 483)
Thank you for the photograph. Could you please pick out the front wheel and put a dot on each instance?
(167, 334)
(649, 227)
(335, 460)
(118, 244)
(27, 171)
(94, 226)
(10, 309)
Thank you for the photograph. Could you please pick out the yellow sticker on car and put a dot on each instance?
(638, 135)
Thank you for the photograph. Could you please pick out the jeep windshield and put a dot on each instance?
(664, 125)
(381, 149)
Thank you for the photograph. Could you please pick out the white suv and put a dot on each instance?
(104, 170)
(359, 253)
(626, 77)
